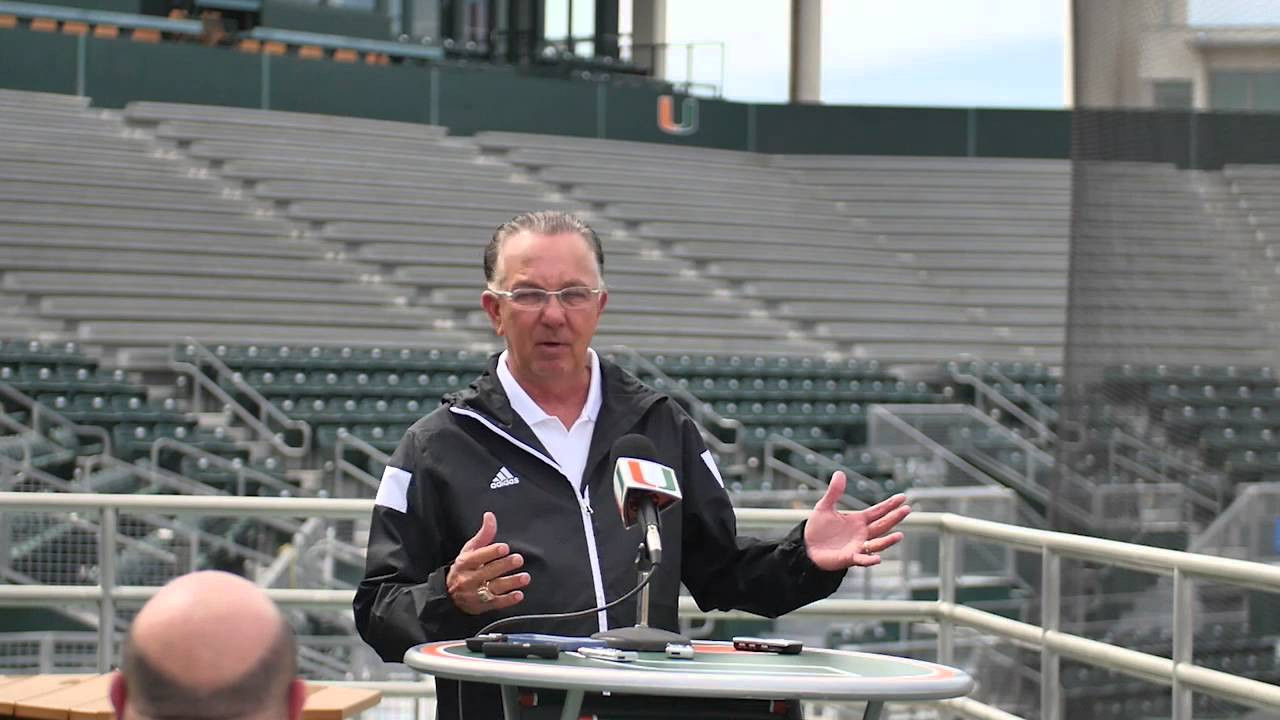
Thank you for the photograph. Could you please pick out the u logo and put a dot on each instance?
(667, 112)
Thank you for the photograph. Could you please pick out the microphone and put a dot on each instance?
(642, 486)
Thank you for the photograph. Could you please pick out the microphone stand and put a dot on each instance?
(645, 569)
(640, 636)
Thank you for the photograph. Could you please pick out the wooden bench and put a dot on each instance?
(85, 697)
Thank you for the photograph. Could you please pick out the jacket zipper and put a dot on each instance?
(584, 507)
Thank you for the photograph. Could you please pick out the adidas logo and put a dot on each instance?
(503, 479)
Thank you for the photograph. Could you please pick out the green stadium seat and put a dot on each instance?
(229, 480)
(37, 353)
(122, 479)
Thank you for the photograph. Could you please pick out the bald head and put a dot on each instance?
(209, 645)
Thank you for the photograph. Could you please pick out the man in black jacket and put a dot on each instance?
(499, 502)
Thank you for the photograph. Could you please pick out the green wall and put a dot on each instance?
(120, 71)
(1021, 133)
(37, 61)
(479, 98)
(842, 130)
(394, 92)
(631, 114)
(472, 97)
(286, 15)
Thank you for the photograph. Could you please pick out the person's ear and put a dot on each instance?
(119, 693)
(297, 698)
(492, 306)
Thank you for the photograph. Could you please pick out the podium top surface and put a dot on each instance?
(716, 670)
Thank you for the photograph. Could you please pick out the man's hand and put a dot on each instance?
(837, 540)
(479, 579)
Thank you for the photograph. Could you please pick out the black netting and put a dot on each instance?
(1171, 398)
(1169, 395)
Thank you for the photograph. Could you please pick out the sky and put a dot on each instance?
(1005, 53)
(945, 53)
(1234, 12)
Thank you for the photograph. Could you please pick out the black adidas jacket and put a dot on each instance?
(452, 457)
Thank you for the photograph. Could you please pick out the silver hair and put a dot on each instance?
(540, 222)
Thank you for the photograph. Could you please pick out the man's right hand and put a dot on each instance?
(483, 576)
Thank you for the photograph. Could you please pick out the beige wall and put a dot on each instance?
(1238, 58)
(1123, 48)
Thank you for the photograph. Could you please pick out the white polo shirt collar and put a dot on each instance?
(567, 446)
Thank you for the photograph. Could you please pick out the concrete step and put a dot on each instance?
(211, 420)
(308, 479)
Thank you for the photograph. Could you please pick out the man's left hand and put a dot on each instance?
(838, 540)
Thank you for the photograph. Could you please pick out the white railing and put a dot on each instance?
(1161, 465)
(730, 451)
(984, 394)
(775, 465)
(985, 369)
(1247, 527)
(1179, 672)
(186, 359)
(1037, 464)
(242, 472)
(344, 468)
(39, 411)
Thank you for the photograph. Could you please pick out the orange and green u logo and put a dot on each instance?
(667, 111)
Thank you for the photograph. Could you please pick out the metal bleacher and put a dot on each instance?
(213, 214)
(113, 240)
(417, 206)
(781, 231)
(331, 265)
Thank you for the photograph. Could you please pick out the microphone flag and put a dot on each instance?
(633, 477)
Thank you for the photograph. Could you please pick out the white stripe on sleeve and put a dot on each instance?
(711, 465)
(393, 491)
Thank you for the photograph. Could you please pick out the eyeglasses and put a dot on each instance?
(571, 298)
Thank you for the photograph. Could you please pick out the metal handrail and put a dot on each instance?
(1230, 515)
(289, 553)
(22, 434)
(1166, 459)
(242, 472)
(266, 407)
(929, 443)
(343, 467)
(701, 412)
(101, 17)
(772, 464)
(180, 483)
(1036, 403)
(984, 390)
(1186, 568)
(38, 409)
(205, 537)
(158, 475)
(1032, 451)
